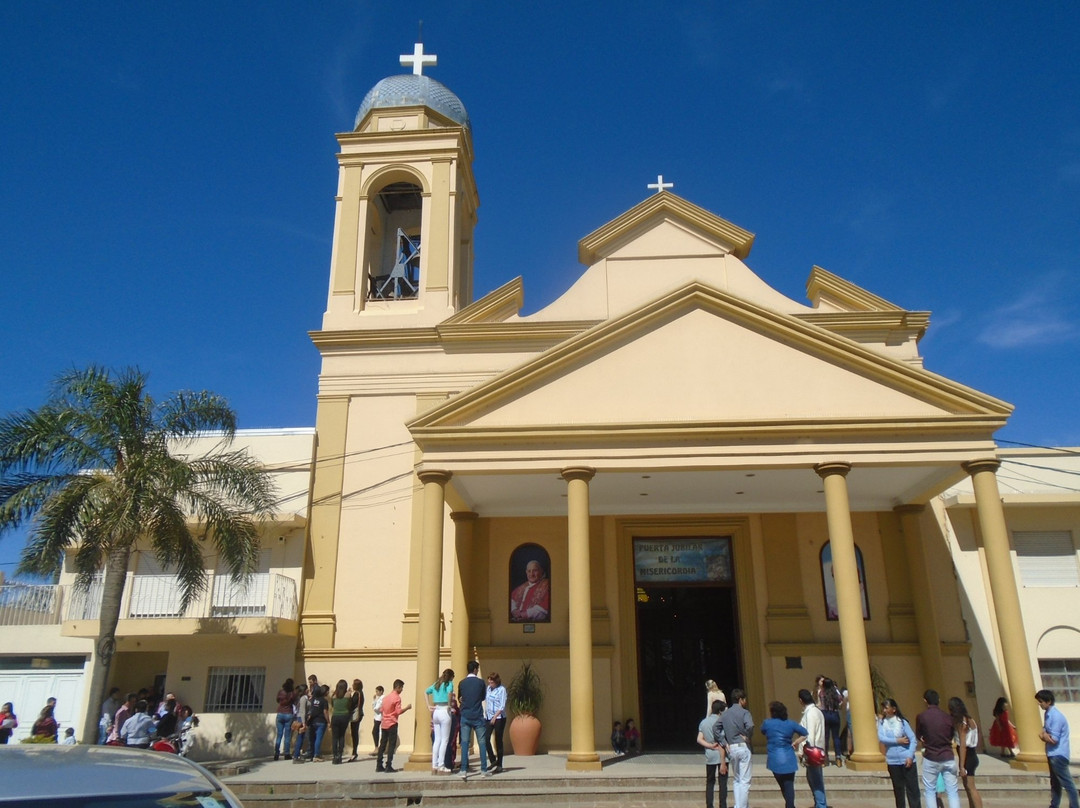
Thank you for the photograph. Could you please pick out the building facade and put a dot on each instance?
(671, 473)
(716, 481)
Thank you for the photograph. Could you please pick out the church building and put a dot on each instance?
(671, 473)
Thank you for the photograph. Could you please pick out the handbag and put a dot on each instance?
(814, 755)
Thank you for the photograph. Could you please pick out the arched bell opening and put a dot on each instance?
(393, 252)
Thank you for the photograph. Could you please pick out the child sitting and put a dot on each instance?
(69, 737)
(618, 738)
(633, 737)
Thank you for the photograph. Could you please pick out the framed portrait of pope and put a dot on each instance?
(530, 586)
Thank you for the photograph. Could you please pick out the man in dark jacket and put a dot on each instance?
(471, 693)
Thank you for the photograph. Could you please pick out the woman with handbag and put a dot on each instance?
(898, 739)
(812, 747)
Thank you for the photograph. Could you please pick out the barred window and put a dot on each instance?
(235, 690)
(1062, 677)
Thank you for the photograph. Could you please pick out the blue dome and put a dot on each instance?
(411, 90)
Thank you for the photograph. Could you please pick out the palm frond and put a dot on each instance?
(45, 440)
(188, 413)
(175, 547)
(239, 478)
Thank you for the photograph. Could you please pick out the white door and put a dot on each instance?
(29, 689)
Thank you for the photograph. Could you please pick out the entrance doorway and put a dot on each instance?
(687, 632)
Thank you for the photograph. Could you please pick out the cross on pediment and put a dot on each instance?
(660, 185)
(418, 59)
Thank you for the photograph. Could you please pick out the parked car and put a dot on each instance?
(100, 776)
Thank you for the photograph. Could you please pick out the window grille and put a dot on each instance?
(235, 690)
(1046, 558)
(1062, 678)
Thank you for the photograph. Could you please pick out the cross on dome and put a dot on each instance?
(418, 59)
(659, 185)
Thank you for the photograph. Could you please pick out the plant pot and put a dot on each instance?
(525, 734)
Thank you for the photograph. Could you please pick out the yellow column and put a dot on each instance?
(459, 627)
(925, 625)
(1014, 646)
(428, 645)
(849, 605)
(582, 755)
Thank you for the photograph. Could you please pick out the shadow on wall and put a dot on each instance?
(240, 736)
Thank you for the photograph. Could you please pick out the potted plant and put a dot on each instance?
(524, 697)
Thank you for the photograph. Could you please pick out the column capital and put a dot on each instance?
(910, 509)
(434, 476)
(973, 467)
(464, 516)
(585, 473)
(832, 467)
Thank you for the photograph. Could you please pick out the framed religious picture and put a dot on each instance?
(530, 587)
(829, 584)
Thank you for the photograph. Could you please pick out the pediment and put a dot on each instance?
(700, 355)
(665, 225)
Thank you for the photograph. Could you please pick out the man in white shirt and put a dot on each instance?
(136, 730)
(814, 721)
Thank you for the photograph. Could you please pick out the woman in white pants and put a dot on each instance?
(438, 700)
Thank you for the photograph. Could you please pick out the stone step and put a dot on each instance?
(654, 780)
(869, 790)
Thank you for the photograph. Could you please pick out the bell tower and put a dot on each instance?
(406, 207)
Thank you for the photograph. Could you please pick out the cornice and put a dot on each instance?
(807, 431)
(381, 337)
(592, 246)
(504, 302)
(821, 280)
(495, 336)
(859, 320)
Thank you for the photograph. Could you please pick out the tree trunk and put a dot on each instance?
(116, 566)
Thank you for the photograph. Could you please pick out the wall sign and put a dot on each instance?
(700, 560)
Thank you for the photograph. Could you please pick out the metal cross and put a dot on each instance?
(659, 185)
(418, 59)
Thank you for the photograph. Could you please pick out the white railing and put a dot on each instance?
(30, 604)
(150, 597)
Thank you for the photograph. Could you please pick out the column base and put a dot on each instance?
(418, 762)
(583, 762)
(1029, 763)
(866, 763)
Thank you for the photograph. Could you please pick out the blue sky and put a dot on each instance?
(167, 171)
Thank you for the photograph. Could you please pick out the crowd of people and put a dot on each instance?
(949, 740)
(476, 706)
(305, 711)
(141, 717)
(137, 720)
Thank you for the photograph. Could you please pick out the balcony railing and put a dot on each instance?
(30, 604)
(151, 597)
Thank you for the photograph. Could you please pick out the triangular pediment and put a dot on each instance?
(700, 355)
(665, 225)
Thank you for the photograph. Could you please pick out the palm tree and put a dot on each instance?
(99, 468)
